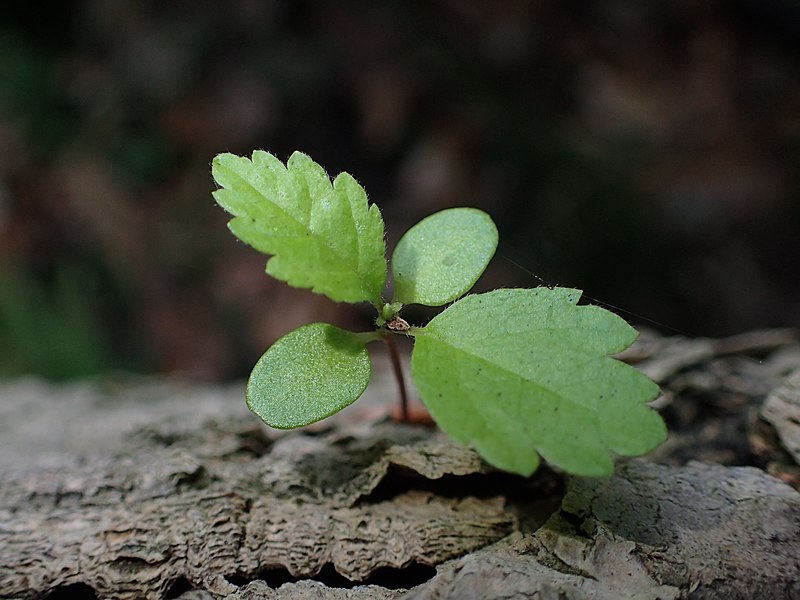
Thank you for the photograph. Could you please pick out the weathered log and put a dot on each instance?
(165, 490)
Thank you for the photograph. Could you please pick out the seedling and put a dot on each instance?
(517, 374)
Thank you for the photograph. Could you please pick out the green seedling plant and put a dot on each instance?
(517, 374)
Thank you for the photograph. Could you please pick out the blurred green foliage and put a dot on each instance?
(50, 329)
(657, 138)
(29, 92)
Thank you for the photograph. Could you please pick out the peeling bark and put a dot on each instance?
(206, 499)
(782, 410)
(650, 532)
(130, 526)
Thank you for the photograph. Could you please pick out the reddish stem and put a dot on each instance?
(397, 367)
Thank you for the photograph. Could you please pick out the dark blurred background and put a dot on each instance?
(646, 152)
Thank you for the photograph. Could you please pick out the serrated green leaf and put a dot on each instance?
(307, 375)
(440, 258)
(322, 236)
(516, 372)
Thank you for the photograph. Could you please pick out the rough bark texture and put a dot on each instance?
(650, 532)
(166, 490)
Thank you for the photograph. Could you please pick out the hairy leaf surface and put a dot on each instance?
(307, 375)
(516, 372)
(440, 258)
(322, 236)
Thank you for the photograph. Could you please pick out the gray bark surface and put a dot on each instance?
(160, 489)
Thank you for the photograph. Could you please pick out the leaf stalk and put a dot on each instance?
(397, 367)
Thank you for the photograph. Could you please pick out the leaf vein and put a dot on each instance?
(503, 369)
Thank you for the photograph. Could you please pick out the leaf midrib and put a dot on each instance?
(359, 276)
(509, 371)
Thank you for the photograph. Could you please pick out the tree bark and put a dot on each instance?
(159, 489)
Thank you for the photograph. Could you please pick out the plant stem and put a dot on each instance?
(397, 367)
